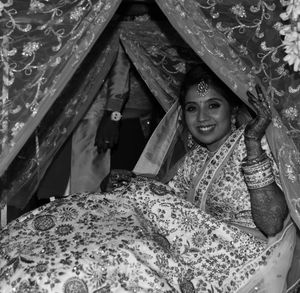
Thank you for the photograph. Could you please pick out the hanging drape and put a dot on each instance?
(160, 56)
(31, 164)
(242, 45)
(42, 45)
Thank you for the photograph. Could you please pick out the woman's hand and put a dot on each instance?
(256, 128)
(107, 134)
(268, 205)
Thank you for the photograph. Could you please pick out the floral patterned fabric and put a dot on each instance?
(163, 58)
(228, 197)
(143, 237)
(29, 167)
(47, 42)
(42, 43)
(241, 42)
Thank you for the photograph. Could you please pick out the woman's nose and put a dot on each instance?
(202, 114)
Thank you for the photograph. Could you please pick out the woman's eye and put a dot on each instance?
(190, 108)
(214, 105)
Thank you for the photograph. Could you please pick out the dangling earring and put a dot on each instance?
(233, 122)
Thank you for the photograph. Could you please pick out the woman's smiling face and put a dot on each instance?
(207, 116)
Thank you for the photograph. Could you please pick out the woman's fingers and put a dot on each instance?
(253, 101)
(259, 90)
(260, 102)
(256, 128)
(263, 98)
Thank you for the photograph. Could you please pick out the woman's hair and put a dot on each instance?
(201, 72)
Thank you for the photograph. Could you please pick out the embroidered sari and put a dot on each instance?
(194, 234)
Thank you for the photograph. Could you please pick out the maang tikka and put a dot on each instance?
(202, 88)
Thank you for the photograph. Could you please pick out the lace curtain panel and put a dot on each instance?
(42, 44)
(240, 41)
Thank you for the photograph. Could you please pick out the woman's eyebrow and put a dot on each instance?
(214, 99)
(189, 102)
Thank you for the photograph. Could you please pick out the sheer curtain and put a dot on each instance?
(42, 45)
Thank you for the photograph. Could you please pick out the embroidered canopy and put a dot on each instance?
(43, 44)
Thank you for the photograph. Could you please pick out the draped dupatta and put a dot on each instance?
(241, 44)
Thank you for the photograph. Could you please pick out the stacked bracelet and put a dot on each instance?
(258, 172)
(247, 162)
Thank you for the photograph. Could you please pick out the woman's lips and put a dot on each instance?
(206, 128)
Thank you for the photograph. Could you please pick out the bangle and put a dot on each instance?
(257, 173)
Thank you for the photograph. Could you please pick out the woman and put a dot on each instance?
(219, 225)
(211, 118)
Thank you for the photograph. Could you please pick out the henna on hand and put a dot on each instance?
(256, 128)
(269, 209)
(268, 205)
(254, 149)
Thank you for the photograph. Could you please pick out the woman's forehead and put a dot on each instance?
(212, 93)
